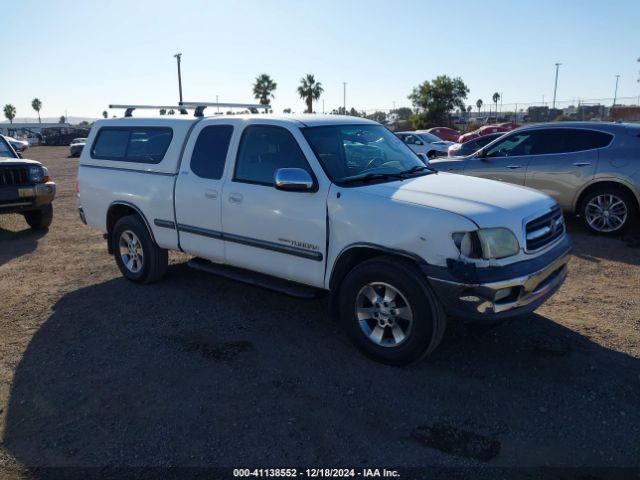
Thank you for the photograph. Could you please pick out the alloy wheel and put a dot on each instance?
(606, 213)
(384, 314)
(131, 252)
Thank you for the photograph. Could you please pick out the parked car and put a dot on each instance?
(484, 130)
(17, 144)
(467, 148)
(426, 143)
(591, 168)
(311, 204)
(445, 133)
(77, 144)
(25, 188)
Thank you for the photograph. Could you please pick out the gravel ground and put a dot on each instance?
(200, 371)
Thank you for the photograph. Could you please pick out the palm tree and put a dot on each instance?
(263, 88)
(105, 114)
(309, 90)
(10, 112)
(496, 97)
(479, 103)
(163, 111)
(36, 104)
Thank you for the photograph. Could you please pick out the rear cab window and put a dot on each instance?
(132, 144)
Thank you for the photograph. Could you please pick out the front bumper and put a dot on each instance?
(19, 199)
(501, 292)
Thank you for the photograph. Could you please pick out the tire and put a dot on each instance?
(40, 219)
(420, 335)
(131, 241)
(598, 202)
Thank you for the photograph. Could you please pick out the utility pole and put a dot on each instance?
(615, 95)
(344, 98)
(555, 88)
(178, 57)
(218, 102)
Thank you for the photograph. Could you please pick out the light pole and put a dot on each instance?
(178, 57)
(555, 88)
(615, 94)
(344, 98)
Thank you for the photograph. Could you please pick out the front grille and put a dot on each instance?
(14, 176)
(544, 230)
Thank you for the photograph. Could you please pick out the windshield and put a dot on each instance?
(5, 149)
(348, 152)
(429, 137)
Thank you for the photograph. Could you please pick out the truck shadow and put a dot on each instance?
(14, 244)
(624, 248)
(203, 371)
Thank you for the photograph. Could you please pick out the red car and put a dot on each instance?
(445, 133)
(486, 130)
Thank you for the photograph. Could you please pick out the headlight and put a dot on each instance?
(38, 174)
(487, 243)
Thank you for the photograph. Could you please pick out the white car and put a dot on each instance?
(425, 142)
(311, 204)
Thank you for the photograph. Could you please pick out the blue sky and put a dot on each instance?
(80, 56)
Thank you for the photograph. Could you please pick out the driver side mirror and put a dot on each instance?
(293, 180)
(482, 155)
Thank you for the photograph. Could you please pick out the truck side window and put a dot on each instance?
(210, 152)
(132, 144)
(263, 150)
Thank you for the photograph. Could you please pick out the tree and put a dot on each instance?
(62, 119)
(309, 90)
(105, 114)
(163, 111)
(378, 116)
(10, 112)
(436, 99)
(171, 112)
(403, 113)
(286, 110)
(263, 89)
(479, 103)
(496, 97)
(36, 104)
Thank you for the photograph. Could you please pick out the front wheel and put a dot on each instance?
(607, 210)
(390, 312)
(40, 219)
(137, 256)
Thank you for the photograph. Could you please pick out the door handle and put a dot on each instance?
(582, 164)
(513, 167)
(235, 198)
(212, 194)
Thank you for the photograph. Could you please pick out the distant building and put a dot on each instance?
(626, 113)
(538, 114)
(590, 112)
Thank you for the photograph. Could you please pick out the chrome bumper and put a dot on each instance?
(505, 297)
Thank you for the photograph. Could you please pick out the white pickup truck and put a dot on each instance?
(306, 204)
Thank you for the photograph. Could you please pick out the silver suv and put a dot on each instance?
(591, 168)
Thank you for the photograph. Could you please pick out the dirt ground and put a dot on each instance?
(198, 370)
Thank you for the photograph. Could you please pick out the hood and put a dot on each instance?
(17, 161)
(487, 203)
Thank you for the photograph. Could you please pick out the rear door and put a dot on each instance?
(566, 159)
(198, 191)
(505, 160)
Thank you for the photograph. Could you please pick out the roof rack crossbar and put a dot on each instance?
(128, 109)
(200, 106)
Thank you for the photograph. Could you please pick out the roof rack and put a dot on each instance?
(197, 106)
(200, 106)
(130, 108)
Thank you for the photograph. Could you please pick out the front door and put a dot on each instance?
(198, 192)
(280, 233)
(505, 160)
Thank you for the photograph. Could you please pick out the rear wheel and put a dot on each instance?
(137, 256)
(40, 219)
(389, 311)
(608, 210)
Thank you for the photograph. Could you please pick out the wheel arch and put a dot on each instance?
(119, 209)
(600, 182)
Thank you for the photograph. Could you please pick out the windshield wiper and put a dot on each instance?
(374, 176)
(417, 168)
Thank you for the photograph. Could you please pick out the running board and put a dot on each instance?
(254, 278)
